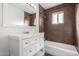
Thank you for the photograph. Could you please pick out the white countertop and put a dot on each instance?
(23, 36)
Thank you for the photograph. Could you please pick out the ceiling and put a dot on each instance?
(49, 5)
(25, 7)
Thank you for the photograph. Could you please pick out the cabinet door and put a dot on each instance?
(30, 50)
(0, 14)
(41, 42)
(27, 42)
(12, 15)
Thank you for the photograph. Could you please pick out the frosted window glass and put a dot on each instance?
(61, 17)
(54, 18)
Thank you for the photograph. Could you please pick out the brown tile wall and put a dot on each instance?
(64, 33)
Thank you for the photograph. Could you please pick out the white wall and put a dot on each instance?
(37, 17)
(0, 14)
(77, 25)
(3, 39)
(12, 15)
(77, 22)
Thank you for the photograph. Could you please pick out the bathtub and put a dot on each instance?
(60, 49)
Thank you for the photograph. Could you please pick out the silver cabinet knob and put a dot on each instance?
(40, 44)
(30, 50)
(35, 39)
(26, 42)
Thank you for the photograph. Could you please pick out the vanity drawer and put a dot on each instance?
(30, 50)
(26, 42)
(40, 43)
(34, 46)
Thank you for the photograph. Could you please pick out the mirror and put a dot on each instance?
(19, 14)
(30, 16)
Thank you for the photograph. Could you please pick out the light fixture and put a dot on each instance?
(32, 4)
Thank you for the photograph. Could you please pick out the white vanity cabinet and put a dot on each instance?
(41, 52)
(25, 46)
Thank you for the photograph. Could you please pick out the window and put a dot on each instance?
(54, 18)
(58, 18)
